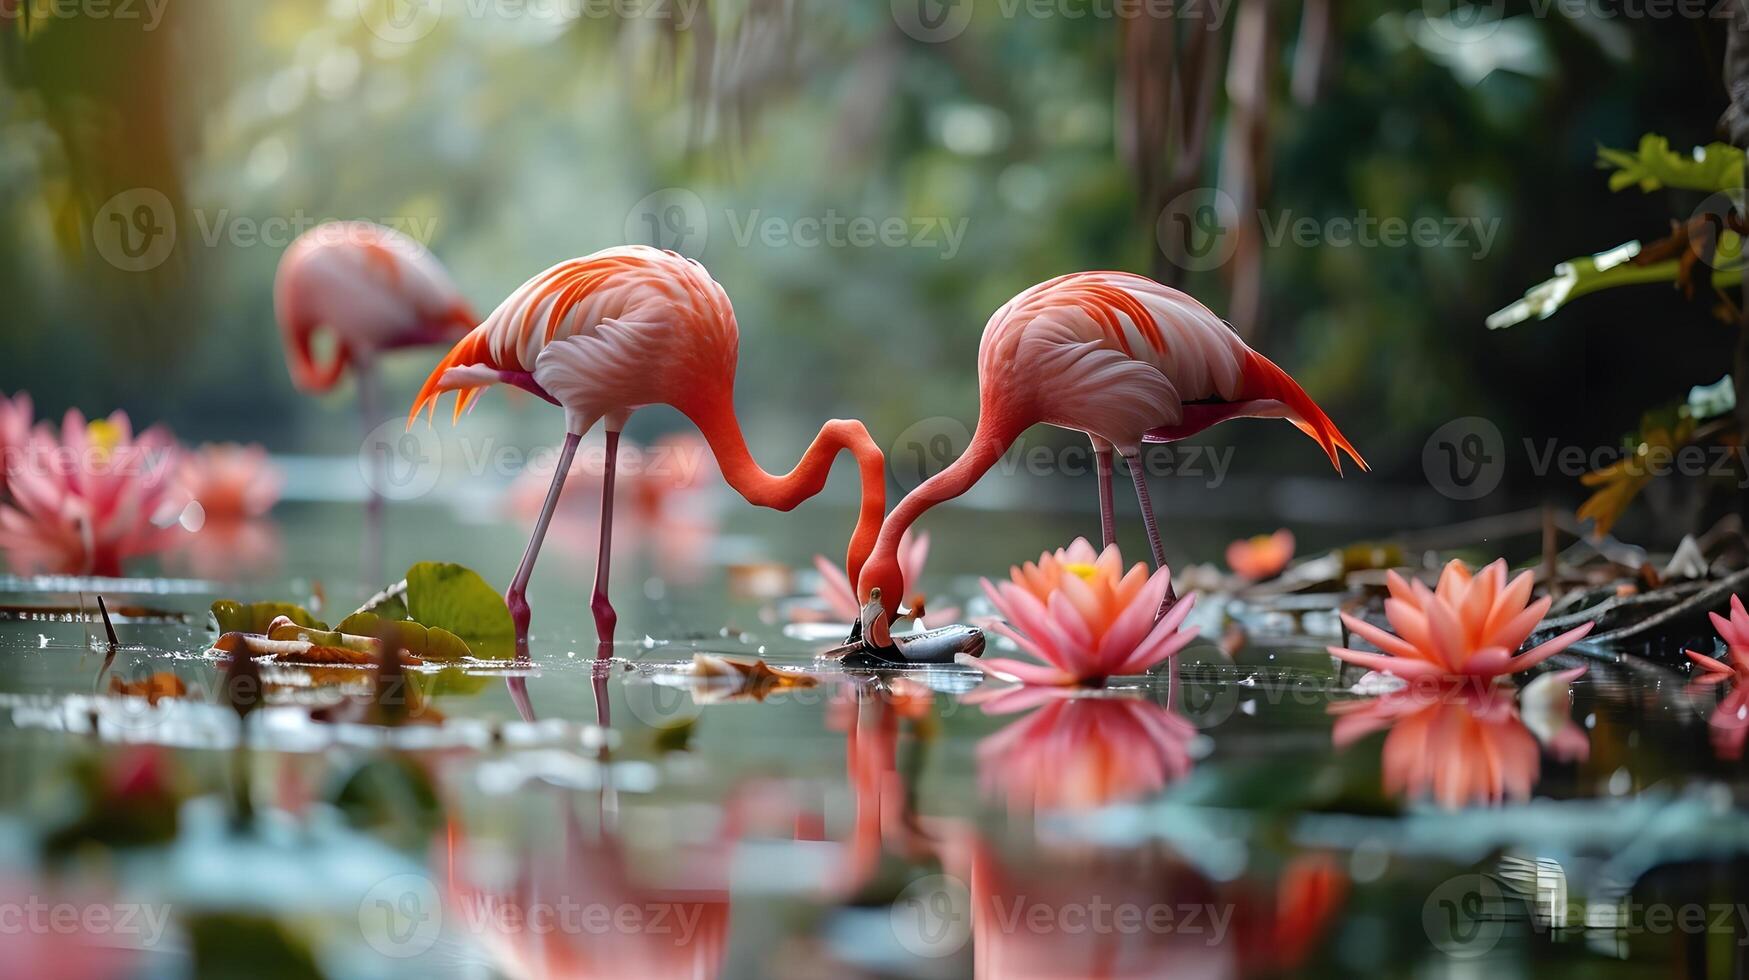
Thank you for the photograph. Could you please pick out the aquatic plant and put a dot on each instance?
(16, 419)
(86, 502)
(1261, 557)
(1729, 721)
(1085, 617)
(1468, 625)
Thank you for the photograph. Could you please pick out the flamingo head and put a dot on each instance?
(883, 580)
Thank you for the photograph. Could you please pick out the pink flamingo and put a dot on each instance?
(603, 335)
(373, 290)
(1126, 361)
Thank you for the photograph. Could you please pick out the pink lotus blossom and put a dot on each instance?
(1080, 752)
(84, 504)
(1730, 720)
(840, 600)
(1085, 617)
(1469, 625)
(1261, 557)
(230, 482)
(16, 419)
(1464, 744)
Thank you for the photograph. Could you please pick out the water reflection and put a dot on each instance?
(1456, 742)
(1079, 750)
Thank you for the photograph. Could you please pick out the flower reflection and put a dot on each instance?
(1729, 721)
(1080, 752)
(664, 496)
(1085, 617)
(1457, 743)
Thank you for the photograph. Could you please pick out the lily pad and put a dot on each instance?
(425, 642)
(232, 616)
(457, 599)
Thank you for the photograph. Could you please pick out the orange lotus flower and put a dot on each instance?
(1730, 720)
(1469, 625)
(1085, 617)
(230, 482)
(1261, 557)
(84, 503)
(16, 419)
(1079, 752)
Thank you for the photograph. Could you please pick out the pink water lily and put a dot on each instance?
(1469, 625)
(92, 499)
(839, 599)
(1729, 721)
(1735, 632)
(1085, 617)
(16, 419)
(230, 482)
(1261, 557)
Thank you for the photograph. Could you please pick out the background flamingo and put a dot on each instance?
(1121, 358)
(372, 289)
(630, 326)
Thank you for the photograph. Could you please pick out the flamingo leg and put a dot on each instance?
(1107, 520)
(516, 597)
(371, 561)
(1135, 464)
(605, 617)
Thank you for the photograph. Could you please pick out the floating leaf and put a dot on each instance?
(232, 616)
(1714, 167)
(457, 599)
(429, 643)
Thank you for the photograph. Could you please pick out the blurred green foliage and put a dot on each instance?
(517, 140)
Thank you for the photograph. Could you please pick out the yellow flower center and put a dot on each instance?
(104, 436)
(1081, 569)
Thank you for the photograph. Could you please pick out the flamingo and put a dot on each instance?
(1120, 358)
(625, 327)
(374, 290)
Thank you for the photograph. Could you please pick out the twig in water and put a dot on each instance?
(1703, 599)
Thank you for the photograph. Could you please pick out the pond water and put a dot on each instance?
(624, 817)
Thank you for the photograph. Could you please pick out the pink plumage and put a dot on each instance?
(373, 288)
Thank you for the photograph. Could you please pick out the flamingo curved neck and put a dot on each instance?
(722, 430)
(988, 443)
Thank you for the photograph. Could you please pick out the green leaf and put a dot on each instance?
(231, 616)
(457, 599)
(1714, 167)
(427, 643)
